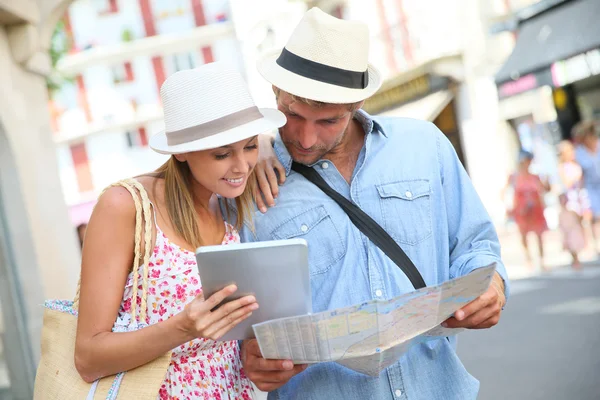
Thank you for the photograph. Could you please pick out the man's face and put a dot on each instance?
(311, 132)
(590, 140)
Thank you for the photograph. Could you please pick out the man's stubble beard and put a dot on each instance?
(294, 145)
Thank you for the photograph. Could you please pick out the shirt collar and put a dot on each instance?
(368, 123)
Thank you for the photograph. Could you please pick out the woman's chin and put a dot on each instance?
(231, 193)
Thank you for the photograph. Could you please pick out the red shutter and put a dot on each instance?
(128, 72)
(143, 136)
(149, 26)
(113, 7)
(200, 20)
(82, 98)
(82, 167)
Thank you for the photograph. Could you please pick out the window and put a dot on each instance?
(123, 73)
(106, 7)
(183, 61)
(138, 138)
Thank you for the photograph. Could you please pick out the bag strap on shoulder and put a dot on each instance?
(143, 214)
(367, 226)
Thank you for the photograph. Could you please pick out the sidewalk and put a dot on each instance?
(513, 254)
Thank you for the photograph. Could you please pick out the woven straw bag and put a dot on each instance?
(57, 378)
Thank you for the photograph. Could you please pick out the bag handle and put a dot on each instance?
(142, 206)
(367, 226)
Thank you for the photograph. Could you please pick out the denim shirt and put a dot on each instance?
(409, 179)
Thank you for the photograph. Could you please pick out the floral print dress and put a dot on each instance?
(202, 368)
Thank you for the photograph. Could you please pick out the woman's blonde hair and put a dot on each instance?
(179, 200)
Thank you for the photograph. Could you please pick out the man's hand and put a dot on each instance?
(267, 375)
(266, 178)
(483, 312)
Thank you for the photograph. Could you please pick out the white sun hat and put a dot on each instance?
(209, 107)
(325, 59)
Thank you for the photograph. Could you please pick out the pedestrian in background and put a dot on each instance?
(528, 204)
(587, 155)
(81, 228)
(572, 230)
(571, 179)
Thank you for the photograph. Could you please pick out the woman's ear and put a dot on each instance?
(180, 157)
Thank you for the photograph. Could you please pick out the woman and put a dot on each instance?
(211, 134)
(528, 204)
(571, 178)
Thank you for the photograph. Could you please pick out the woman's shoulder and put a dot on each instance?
(153, 185)
(118, 199)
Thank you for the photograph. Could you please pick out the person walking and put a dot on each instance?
(528, 205)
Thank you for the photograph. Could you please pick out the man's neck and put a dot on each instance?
(345, 155)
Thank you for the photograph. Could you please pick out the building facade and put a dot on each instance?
(57, 153)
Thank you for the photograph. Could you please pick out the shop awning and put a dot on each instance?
(557, 34)
(427, 108)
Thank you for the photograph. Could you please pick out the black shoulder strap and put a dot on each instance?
(366, 225)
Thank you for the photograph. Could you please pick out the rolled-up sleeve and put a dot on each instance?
(473, 241)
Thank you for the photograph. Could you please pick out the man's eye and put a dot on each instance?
(330, 121)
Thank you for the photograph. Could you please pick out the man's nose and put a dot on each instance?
(307, 136)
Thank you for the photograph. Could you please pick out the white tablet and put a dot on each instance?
(275, 272)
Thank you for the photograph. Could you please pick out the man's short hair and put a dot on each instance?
(313, 103)
(583, 129)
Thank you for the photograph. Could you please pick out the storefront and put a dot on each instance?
(556, 59)
(551, 81)
(424, 93)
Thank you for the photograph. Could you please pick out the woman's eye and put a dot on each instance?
(252, 147)
(221, 156)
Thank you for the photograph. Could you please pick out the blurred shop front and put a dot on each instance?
(556, 60)
(551, 81)
(427, 92)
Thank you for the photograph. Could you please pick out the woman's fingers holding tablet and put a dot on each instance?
(211, 323)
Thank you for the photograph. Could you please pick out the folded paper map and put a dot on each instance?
(371, 336)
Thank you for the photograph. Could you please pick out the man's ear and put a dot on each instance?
(180, 157)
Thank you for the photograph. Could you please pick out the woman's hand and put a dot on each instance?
(204, 323)
(266, 178)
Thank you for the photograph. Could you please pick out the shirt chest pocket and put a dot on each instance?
(406, 209)
(325, 245)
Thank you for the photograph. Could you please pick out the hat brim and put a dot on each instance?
(312, 89)
(272, 119)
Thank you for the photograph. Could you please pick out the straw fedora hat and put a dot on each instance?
(325, 59)
(209, 107)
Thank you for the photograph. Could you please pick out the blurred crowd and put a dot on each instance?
(578, 193)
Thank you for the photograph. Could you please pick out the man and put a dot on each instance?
(587, 155)
(405, 174)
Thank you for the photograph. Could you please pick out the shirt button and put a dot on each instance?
(398, 392)
(304, 228)
(378, 293)
(325, 165)
(408, 194)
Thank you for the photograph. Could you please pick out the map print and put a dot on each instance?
(371, 336)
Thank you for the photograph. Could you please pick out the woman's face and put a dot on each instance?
(567, 153)
(224, 170)
(525, 164)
